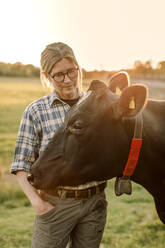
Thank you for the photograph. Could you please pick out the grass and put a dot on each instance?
(16, 227)
(14, 97)
(132, 221)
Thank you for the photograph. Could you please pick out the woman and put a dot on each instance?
(64, 217)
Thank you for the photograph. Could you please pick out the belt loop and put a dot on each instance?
(61, 193)
(97, 189)
(76, 194)
(89, 193)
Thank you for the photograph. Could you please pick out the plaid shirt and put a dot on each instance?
(40, 121)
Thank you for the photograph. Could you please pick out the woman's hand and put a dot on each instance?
(42, 207)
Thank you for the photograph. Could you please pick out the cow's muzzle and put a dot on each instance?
(30, 178)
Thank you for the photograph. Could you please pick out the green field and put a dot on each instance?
(132, 220)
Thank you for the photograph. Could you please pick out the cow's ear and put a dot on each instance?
(119, 82)
(132, 100)
(97, 85)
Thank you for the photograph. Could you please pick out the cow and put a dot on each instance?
(94, 142)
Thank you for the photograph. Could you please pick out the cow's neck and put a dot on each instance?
(150, 169)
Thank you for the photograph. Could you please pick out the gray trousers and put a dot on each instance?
(79, 222)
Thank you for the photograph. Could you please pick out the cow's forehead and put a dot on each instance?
(92, 101)
(88, 99)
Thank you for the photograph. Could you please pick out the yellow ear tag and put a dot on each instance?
(118, 91)
(132, 103)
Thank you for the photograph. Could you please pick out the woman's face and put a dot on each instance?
(68, 88)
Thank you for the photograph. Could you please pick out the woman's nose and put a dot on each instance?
(67, 79)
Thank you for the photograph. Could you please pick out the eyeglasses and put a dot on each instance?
(60, 76)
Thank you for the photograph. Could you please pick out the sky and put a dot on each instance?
(104, 34)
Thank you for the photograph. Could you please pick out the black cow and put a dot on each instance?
(94, 141)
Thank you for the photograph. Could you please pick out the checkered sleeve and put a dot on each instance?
(27, 144)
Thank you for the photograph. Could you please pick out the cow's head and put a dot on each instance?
(93, 142)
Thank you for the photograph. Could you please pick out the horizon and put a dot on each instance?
(130, 68)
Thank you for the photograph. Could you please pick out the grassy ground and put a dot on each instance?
(132, 221)
(15, 95)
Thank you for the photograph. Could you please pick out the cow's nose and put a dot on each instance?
(30, 178)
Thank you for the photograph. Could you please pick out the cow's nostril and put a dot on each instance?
(30, 178)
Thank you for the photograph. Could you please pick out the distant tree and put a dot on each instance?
(161, 66)
(148, 67)
(148, 64)
(139, 67)
(143, 68)
(17, 69)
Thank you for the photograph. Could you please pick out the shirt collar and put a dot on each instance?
(54, 98)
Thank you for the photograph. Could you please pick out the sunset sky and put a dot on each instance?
(105, 34)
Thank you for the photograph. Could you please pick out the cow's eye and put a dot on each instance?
(76, 127)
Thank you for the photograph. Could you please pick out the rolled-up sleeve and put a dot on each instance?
(27, 144)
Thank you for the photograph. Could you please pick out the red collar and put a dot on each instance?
(135, 147)
(123, 184)
(133, 157)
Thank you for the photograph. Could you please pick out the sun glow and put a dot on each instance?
(104, 34)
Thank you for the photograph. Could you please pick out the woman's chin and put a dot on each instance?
(70, 94)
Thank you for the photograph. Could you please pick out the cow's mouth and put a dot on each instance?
(36, 182)
(30, 178)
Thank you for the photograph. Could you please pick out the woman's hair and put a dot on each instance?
(51, 55)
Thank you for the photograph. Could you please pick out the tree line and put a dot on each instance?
(18, 70)
(146, 69)
(139, 69)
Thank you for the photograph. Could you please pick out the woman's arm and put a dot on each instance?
(38, 204)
